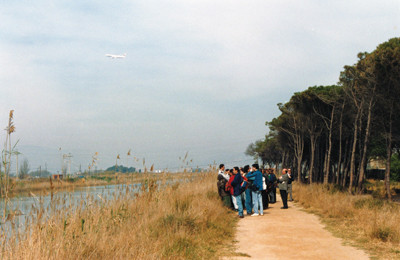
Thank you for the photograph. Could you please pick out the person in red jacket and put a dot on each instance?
(229, 189)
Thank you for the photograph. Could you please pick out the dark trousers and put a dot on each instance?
(249, 201)
(272, 195)
(226, 200)
(264, 196)
(284, 198)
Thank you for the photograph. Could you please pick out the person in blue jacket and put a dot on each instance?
(256, 176)
(248, 199)
(237, 190)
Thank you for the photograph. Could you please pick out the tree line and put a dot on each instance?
(329, 133)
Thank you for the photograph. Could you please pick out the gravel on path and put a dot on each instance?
(289, 234)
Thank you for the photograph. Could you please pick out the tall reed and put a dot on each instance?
(6, 162)
(184, 220)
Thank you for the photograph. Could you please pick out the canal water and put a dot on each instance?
(24, 209)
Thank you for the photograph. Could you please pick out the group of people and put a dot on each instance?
(252, 188)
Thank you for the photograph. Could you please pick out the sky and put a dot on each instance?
(200, 77)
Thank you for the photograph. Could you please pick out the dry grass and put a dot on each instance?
(362, 220)
(182, 221)
(43, 186)
(377, 188)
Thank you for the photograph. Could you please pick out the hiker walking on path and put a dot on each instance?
(283, 187)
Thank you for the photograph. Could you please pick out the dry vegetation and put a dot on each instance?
(44, 186)
(182, 221)
(362, 220)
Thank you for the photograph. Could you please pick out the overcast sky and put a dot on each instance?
(200, 76)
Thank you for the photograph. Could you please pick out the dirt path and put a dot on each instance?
(289, 234)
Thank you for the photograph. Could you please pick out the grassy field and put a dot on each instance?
(182, 221)
(365, 221)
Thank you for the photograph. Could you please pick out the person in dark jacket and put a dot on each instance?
(225, 196)
(271, 185)
(256, 177)
(237, 191)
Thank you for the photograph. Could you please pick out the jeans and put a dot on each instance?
(257, 202)
(239, 204)
(248, 203)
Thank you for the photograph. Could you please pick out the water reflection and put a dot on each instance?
(28, 209)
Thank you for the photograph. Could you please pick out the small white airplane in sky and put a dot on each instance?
(116, 56)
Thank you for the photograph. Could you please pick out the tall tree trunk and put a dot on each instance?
(294, 163)
(299, 155)
(311, 170)
(363, 163)
(387, 170)
(328, 163)
(325, 167)
(346, 159)
(339, 168)
(334, 170)
(353, 152)
(389, 140)
(283, 161)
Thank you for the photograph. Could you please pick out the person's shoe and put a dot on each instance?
(241, 216)
(284, 207)
(255, 215)
(261, 214)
